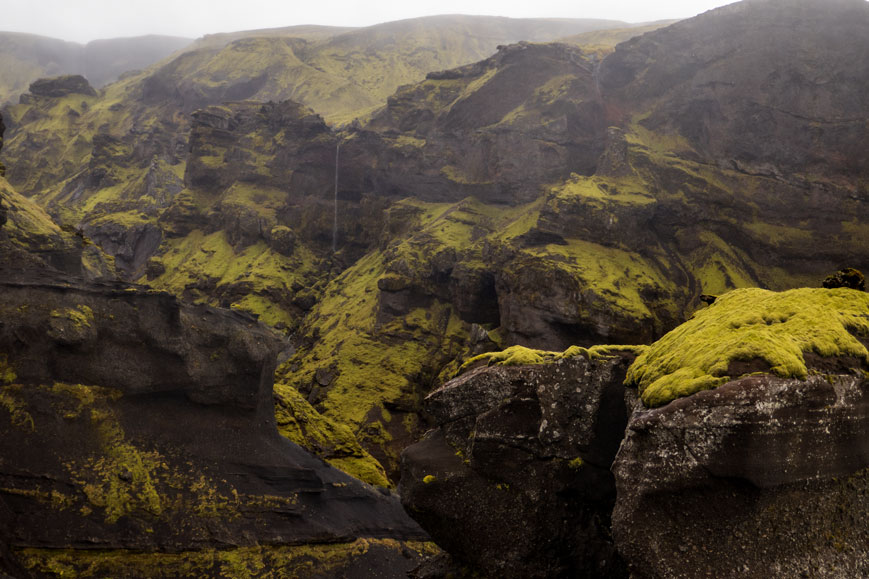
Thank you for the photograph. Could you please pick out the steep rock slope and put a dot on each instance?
(784, 97)
(346, 74)
(133, 423)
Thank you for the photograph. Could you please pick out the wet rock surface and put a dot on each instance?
(515, 480)
(762, 477)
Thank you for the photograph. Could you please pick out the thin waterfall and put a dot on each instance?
(335, 221)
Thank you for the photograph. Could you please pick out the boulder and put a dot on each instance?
(515, 480)
(748, 454)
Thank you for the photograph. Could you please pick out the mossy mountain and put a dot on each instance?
(545, 196)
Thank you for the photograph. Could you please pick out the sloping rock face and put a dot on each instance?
(276, 144)
(141, 427)
(515, 480)
(762, 477)
(784, 95)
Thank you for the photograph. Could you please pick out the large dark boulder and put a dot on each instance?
(515, 480)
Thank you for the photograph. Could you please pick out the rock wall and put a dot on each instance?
(134, 424)
(761, 470)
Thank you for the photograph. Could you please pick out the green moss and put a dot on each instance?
(12, 400)
(601, 191)
(607, 278)
(251, 562)
(522, 356)
(7, 372)
(335, 442)
(254, 279)
(80, 317)
(752, 324)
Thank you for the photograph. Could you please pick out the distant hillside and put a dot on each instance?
(606, 40)
(350, 72)
(27, 57)
(105, 60)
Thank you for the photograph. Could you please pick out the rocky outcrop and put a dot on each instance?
(61, 86)
(762, 477)
(132, 423)
(515, 480)
(131, 244)
(282, 145)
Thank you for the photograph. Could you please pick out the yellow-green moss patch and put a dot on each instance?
(752, 324)
(258, 561)
(301, 423)
(522, 356)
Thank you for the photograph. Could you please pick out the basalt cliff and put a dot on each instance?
(366, 212)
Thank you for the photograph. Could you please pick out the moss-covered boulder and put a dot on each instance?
(788, 334)
(749, 412)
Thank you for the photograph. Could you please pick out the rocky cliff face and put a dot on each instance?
(139, 427)
(497, 129)
(761, 477)
(784, 96)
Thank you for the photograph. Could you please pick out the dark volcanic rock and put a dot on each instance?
(762, 477)
(130, 244)
(133, 422)
(60, 86)
(515, 482)
(283, 144)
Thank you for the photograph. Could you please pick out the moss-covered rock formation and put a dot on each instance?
(545, 196)
(753, 330)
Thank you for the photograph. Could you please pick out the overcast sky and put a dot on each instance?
(85, 20)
